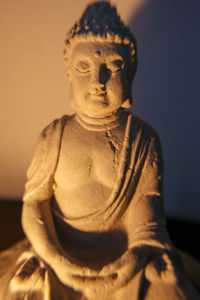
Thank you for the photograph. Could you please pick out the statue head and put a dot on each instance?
(100, 55)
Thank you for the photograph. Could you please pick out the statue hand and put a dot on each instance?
(79, 277)
(127, 262)
(161, 269)
(66, 269)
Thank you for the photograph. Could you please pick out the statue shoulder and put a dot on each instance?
(145, 138)
(144, 128)
(54, 128)
(41, 171)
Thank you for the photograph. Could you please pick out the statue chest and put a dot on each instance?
(86, 171)
(88, 155)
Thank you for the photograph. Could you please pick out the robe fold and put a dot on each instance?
(148, 264)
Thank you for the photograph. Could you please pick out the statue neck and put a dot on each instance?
(100, 123)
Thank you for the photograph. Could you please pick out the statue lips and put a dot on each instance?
(99, 96)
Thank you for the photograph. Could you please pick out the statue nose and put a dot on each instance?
(100, 76)
(96, 85)
(97, 89)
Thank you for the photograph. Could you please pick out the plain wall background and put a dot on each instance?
(34, 88)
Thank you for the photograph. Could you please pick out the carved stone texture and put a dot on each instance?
(93, 212)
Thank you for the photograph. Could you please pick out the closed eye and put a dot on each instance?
(82, 67)
(115, 65)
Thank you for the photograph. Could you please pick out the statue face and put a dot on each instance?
(99, 77)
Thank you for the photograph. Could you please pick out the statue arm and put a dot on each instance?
(37, 219)
(148, 222)
(148, 236)
(38, 225)
(144, 220)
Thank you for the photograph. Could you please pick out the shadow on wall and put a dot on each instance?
(167, 94)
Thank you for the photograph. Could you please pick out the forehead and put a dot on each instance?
(98, 51)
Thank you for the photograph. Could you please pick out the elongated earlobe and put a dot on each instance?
(126, 104)
(68, 69)
(68, 73)
(72, 101)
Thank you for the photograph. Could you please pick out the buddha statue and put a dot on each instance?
(92, 208)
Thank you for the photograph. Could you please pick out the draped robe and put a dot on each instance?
(135, 206)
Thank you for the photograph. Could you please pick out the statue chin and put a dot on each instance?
(92, 207)
(97, 107)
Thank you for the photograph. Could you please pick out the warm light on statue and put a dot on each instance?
(93, 212)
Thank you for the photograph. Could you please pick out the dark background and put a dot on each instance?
(166, 93)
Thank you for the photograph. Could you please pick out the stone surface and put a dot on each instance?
(93, 212)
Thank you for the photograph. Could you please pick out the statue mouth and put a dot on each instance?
(98, 95)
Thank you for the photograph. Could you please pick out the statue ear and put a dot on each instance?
(68, 69)
(126, 103)
(68, 73)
